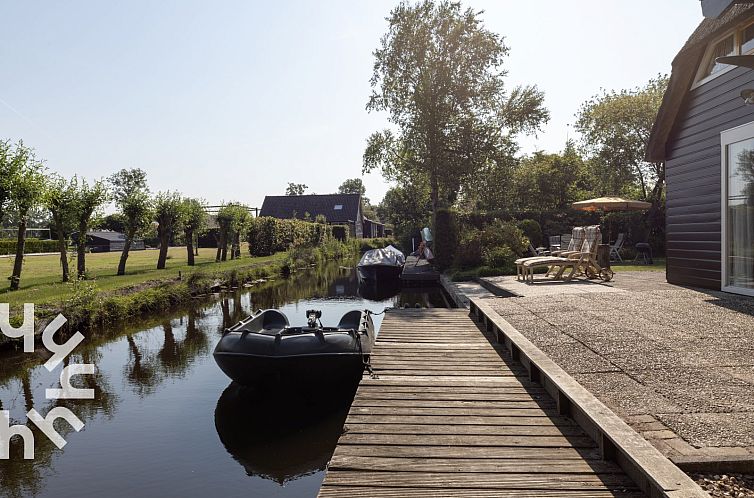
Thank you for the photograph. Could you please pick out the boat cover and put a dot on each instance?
(388, 256)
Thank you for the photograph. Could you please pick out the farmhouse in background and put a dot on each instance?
(338, 209)
(108, 241)
(704, 132)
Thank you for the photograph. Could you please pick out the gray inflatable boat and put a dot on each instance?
(265, 349)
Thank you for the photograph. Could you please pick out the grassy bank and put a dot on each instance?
(107, 298)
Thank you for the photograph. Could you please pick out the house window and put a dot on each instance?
(726, 46)
(738, 209)
(338, 207)
(747, 39)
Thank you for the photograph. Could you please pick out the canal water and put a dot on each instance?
(165, 421)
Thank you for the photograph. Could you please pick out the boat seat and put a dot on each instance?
(351, 320)
(273, 319)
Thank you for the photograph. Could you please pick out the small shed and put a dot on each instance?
(373, 228)
(109, 241)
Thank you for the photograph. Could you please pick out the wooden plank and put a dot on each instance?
(458, 421)
(469, 440)
(489, 465)
(491, 480)
(451, 396)
(450, 429)
(450, 404)
(480, 452)
(387, 491)
(451, 412)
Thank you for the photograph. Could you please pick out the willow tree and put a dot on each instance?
(86, 201)
(194, 221)
(59, 201)
(12, 158)
(167, 214)
(439, 75)
(26, 192)
(131, 195)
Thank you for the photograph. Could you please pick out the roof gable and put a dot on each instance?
(290, 206)
(685, 66)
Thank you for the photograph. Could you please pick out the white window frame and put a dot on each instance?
(699, 80)
(727, 137)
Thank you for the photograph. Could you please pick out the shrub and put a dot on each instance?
(499, 257)
(446, 238)
(532, 230)
(267, 235)
(504, 233)
(469, 251)
(8, 246)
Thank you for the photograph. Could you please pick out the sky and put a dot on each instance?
(231, 100)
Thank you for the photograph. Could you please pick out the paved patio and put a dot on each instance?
(676, 363)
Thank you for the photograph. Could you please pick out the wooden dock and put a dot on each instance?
(418, 272)
(451, 415)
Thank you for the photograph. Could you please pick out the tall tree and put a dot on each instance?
(27, 190)
(59, 200)
(194, 221)
(438, 73)
(87, 200)
(615, 128)
(167, 214)
(295, 189)
(356, 186)
(132, 198)
(12, 159)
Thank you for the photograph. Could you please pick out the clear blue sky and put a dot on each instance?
(230, 100)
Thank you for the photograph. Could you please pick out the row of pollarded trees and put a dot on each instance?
(73, 204)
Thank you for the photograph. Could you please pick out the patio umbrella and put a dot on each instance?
(611, 204)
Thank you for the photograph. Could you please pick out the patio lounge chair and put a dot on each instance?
(539, 251)
(574, 246)
(615, 248)
(584, 261)
(555, 243)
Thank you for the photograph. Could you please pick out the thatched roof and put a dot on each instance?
(685, 66)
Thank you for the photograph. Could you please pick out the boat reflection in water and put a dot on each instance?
(277, 436)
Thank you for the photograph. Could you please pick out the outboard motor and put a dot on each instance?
(312, 317)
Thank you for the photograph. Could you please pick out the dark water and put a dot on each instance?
(165, 420)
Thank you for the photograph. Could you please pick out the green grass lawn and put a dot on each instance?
(658, 265)
(41, 275)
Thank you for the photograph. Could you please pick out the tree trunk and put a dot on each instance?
(237, 244)
(190, 246)
(62, 246)
(224, 252)
(164, 242)
(15, 279)
(81, 251)
(124, 255)
(220, 242)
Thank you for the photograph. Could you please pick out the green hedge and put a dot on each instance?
(8, 246)
(267, 235)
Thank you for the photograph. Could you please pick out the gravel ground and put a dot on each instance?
(726, 485)
(646, 347)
